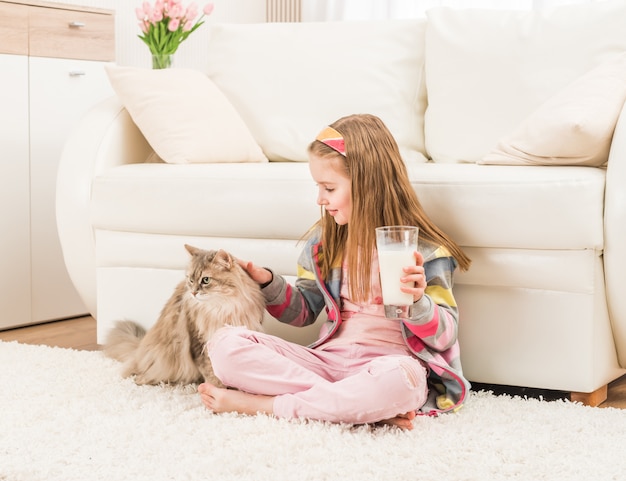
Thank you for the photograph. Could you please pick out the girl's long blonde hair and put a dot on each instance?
(381, 195)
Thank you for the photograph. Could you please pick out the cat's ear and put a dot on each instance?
(224, 258)
(192, 250)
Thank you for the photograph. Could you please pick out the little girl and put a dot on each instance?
(364, 368)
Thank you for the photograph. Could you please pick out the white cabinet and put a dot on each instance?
(14, 191)
(51, 71)
(60, 91)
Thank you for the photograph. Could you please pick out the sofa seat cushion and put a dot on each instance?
(518, 207)
(229, 200)
(527, 207)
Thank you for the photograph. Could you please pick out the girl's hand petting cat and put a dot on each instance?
(256, 273)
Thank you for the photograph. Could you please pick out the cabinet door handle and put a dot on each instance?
(77, 73)
(76, 24)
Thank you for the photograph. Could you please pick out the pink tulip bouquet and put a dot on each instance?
(165, 25)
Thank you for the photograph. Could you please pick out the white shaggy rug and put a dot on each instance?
(67, 415)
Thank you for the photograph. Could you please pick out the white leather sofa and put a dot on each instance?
(544, 303)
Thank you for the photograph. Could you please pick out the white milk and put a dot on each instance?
(391, 264)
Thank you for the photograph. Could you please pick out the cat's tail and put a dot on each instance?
(123, 340)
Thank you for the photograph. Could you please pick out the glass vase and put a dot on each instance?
(162, 60)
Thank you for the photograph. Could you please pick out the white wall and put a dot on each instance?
(334, 10)
(132, 51)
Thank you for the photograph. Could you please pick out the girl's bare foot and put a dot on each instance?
(403, 421)
(220, 400)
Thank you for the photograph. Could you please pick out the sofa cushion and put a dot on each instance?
(487, 70)
(527, 207)
(290, 80)
(574, 127)
(184, 116)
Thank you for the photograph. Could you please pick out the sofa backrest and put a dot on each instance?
(289, 80)
(488, 70)
(449, 87)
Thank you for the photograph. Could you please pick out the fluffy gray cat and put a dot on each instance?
(217, 292)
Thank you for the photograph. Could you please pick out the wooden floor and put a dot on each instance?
(80, 333)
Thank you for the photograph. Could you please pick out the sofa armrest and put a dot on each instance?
(615, 236)
(105, 137)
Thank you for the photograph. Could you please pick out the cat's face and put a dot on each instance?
(212, 273)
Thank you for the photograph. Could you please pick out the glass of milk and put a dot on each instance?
(395, 245)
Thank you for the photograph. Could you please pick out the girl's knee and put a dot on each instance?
(416, 378)
(414, 372)
(223, 350)
(225, 340)
(413, 375)
(411, 368)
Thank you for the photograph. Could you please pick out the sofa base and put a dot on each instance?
(543, 326)
(594, 398)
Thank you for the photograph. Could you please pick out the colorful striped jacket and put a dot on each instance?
(431, 333)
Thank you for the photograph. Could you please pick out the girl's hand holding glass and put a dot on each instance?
(414, 277)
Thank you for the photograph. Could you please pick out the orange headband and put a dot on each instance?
(332, 139)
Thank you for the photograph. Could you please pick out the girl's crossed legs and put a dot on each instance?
(352, 384)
